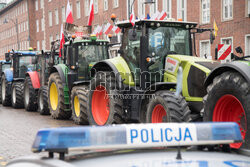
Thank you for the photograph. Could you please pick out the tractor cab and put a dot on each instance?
(4, 65)
(22, 62)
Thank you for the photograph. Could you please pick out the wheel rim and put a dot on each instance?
(229, 109)
(3, 90)
(76, 106)
(100, 105)
(158, 114)
(26, 95)
(14, 95)
(53, 96)
(41, 101)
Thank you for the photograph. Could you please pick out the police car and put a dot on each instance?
(136, 145)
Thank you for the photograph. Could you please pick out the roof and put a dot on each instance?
(9, 6)
(126, 23)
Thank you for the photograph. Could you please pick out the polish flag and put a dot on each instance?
(62, 42)
(91, 13)
(162, 15)
(132, 18)
(69, 15)
(108, 28)
(156, 15)
(116, 29)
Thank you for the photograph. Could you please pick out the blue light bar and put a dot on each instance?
(135, 136)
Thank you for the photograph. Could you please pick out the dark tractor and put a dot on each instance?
(140, 85)
(71, 80)
(13, 79)
(3, 66)
(228, 95)
(35, 85)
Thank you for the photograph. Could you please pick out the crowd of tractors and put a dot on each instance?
(158, 78)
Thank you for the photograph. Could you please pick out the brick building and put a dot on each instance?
(44, 19)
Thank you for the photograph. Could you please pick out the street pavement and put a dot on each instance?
(18, 129)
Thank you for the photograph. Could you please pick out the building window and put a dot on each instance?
(56, 17)
(247, 45)
(42, 3)
(63, 14)
(115, 3)
(205, 49)
(154, 8)
(248, 8)
(43, 45)
(227, 9)
(37, 25)
(129, 7)
(43, 24)
(141, 9)
(205, 11)
(57, 37)
(36, 4)
(37, 45)
(49, 0)
(228, 41)
(71, 7)
(50, 40)
(95, 6)
(167, 7)
(50, 18)
(182, 9)
(86, 6)
(78, 10)
(105, 5)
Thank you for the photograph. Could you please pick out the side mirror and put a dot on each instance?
(35, 60)
(212, 37)
(239, 50)
(132, 35)
(7, 56)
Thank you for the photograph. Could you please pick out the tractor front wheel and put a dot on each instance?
(42, 101)
(30, 95)
(228, 100)
(5, 91)
(79, 105)
(166, 107)
(56, 103)
(103, 109)
(17, 95)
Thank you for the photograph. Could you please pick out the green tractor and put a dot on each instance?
(68, 83)
(228, 96)
(35, 84)
(3, 66)
(140, 85)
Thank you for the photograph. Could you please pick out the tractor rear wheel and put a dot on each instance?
(167, 107)
(30, 95)
(56, 98)
(5, 91)
(79, 105)
(103, 109)
(228, 100)
(42, 101)
(17, 95)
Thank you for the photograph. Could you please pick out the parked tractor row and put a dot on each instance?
(156, 79)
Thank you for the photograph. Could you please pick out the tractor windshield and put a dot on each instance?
(87, 55)
(5, 66)
(26, 65)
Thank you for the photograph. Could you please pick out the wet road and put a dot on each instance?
(18, 129)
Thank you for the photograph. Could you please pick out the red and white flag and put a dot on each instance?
(132, 18)
(91, 13)
(69, 16)
(156, 15)
(116, 29)
(162, 15)
(108, 28)
(62, 42)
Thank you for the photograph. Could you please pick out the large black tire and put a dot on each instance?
(175, 108)
(79, 105)
(58, 110)
(42, 101)
(229, 85)
(5, 91)
(30, 95)
(17, 95)
(102, 83)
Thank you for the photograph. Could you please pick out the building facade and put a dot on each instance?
(40, 20)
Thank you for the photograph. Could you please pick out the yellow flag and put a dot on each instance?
(215, 29)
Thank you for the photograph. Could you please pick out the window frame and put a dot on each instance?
(141, 11)
(207, 10)
(209, 44)
(56, 16)
(37, 25)
(114, 4)
(164, 4)
(78, 9)
(155, 5)
(36, 5)
(86, 7)
(246, 36)
(179, 10)
(223, 12)
(50, 19)
(105, 8)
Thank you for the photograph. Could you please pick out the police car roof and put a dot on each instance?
(171, 23)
